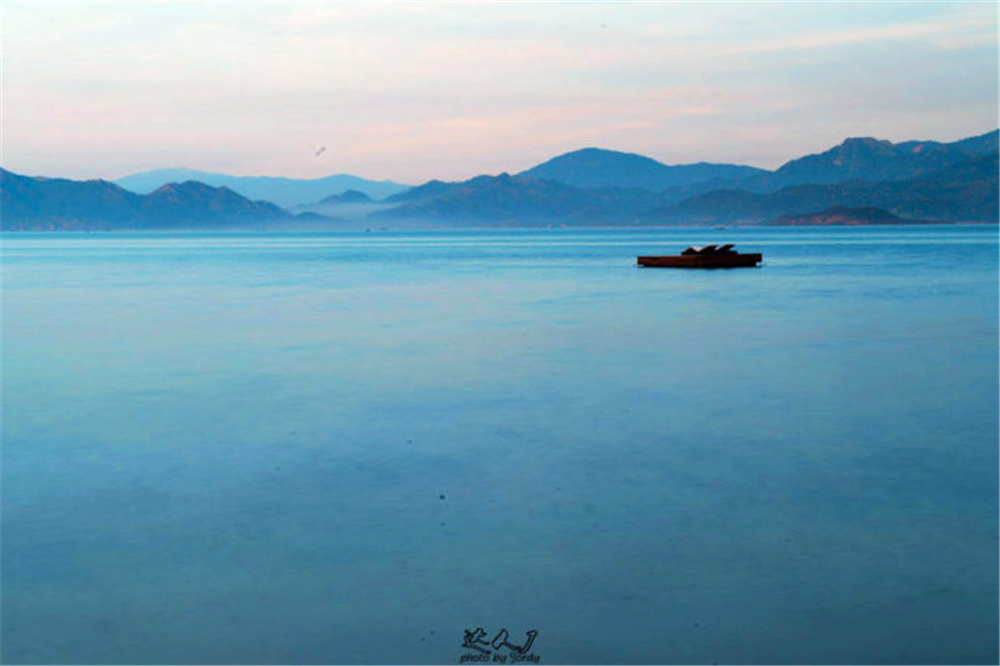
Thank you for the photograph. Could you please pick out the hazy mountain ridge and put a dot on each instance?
(866, 159)
(348, 197)
(58, 202)
(965, 192)
(982, 144)
(843, 216)
(918, 179)
(913, 180)
(871, 160)
(962, 192)
(936, 180)
(597, 167)
(285, 192)
(55, 203)
(507, 199)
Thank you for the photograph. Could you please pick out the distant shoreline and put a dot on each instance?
(706, 228)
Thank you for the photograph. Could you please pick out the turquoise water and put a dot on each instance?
(352, 448)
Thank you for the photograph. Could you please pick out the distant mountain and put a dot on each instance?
(913, 181)
(871, 160)
(425, 192)
(197, 202)
(841, 215)
(984, 144)
(508, 200)
(57, 203)
(350, 207)
(285, 192)
(596, 167)
(964, 192)
(348, 197)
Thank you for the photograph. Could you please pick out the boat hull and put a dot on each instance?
(732, 260)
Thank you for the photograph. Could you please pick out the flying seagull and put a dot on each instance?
(320, 151)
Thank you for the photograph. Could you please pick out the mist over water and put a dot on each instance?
(351, 448)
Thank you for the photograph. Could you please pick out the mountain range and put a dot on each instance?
(595, 167)
(28, 203)
(923, 180)
(963, 192)
(872, 160)
(286, 192)
(513, 200)
(860, 181)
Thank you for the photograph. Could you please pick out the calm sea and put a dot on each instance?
(355, 448)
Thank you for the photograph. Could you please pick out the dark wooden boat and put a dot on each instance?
(710, 256)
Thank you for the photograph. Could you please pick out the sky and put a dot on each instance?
(411, 91)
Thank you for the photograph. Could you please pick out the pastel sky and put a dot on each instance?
(413, 91)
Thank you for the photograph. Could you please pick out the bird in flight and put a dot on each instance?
(320, 150)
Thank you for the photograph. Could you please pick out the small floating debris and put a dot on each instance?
(709, 256)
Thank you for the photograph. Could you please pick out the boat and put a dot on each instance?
(708, 256)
